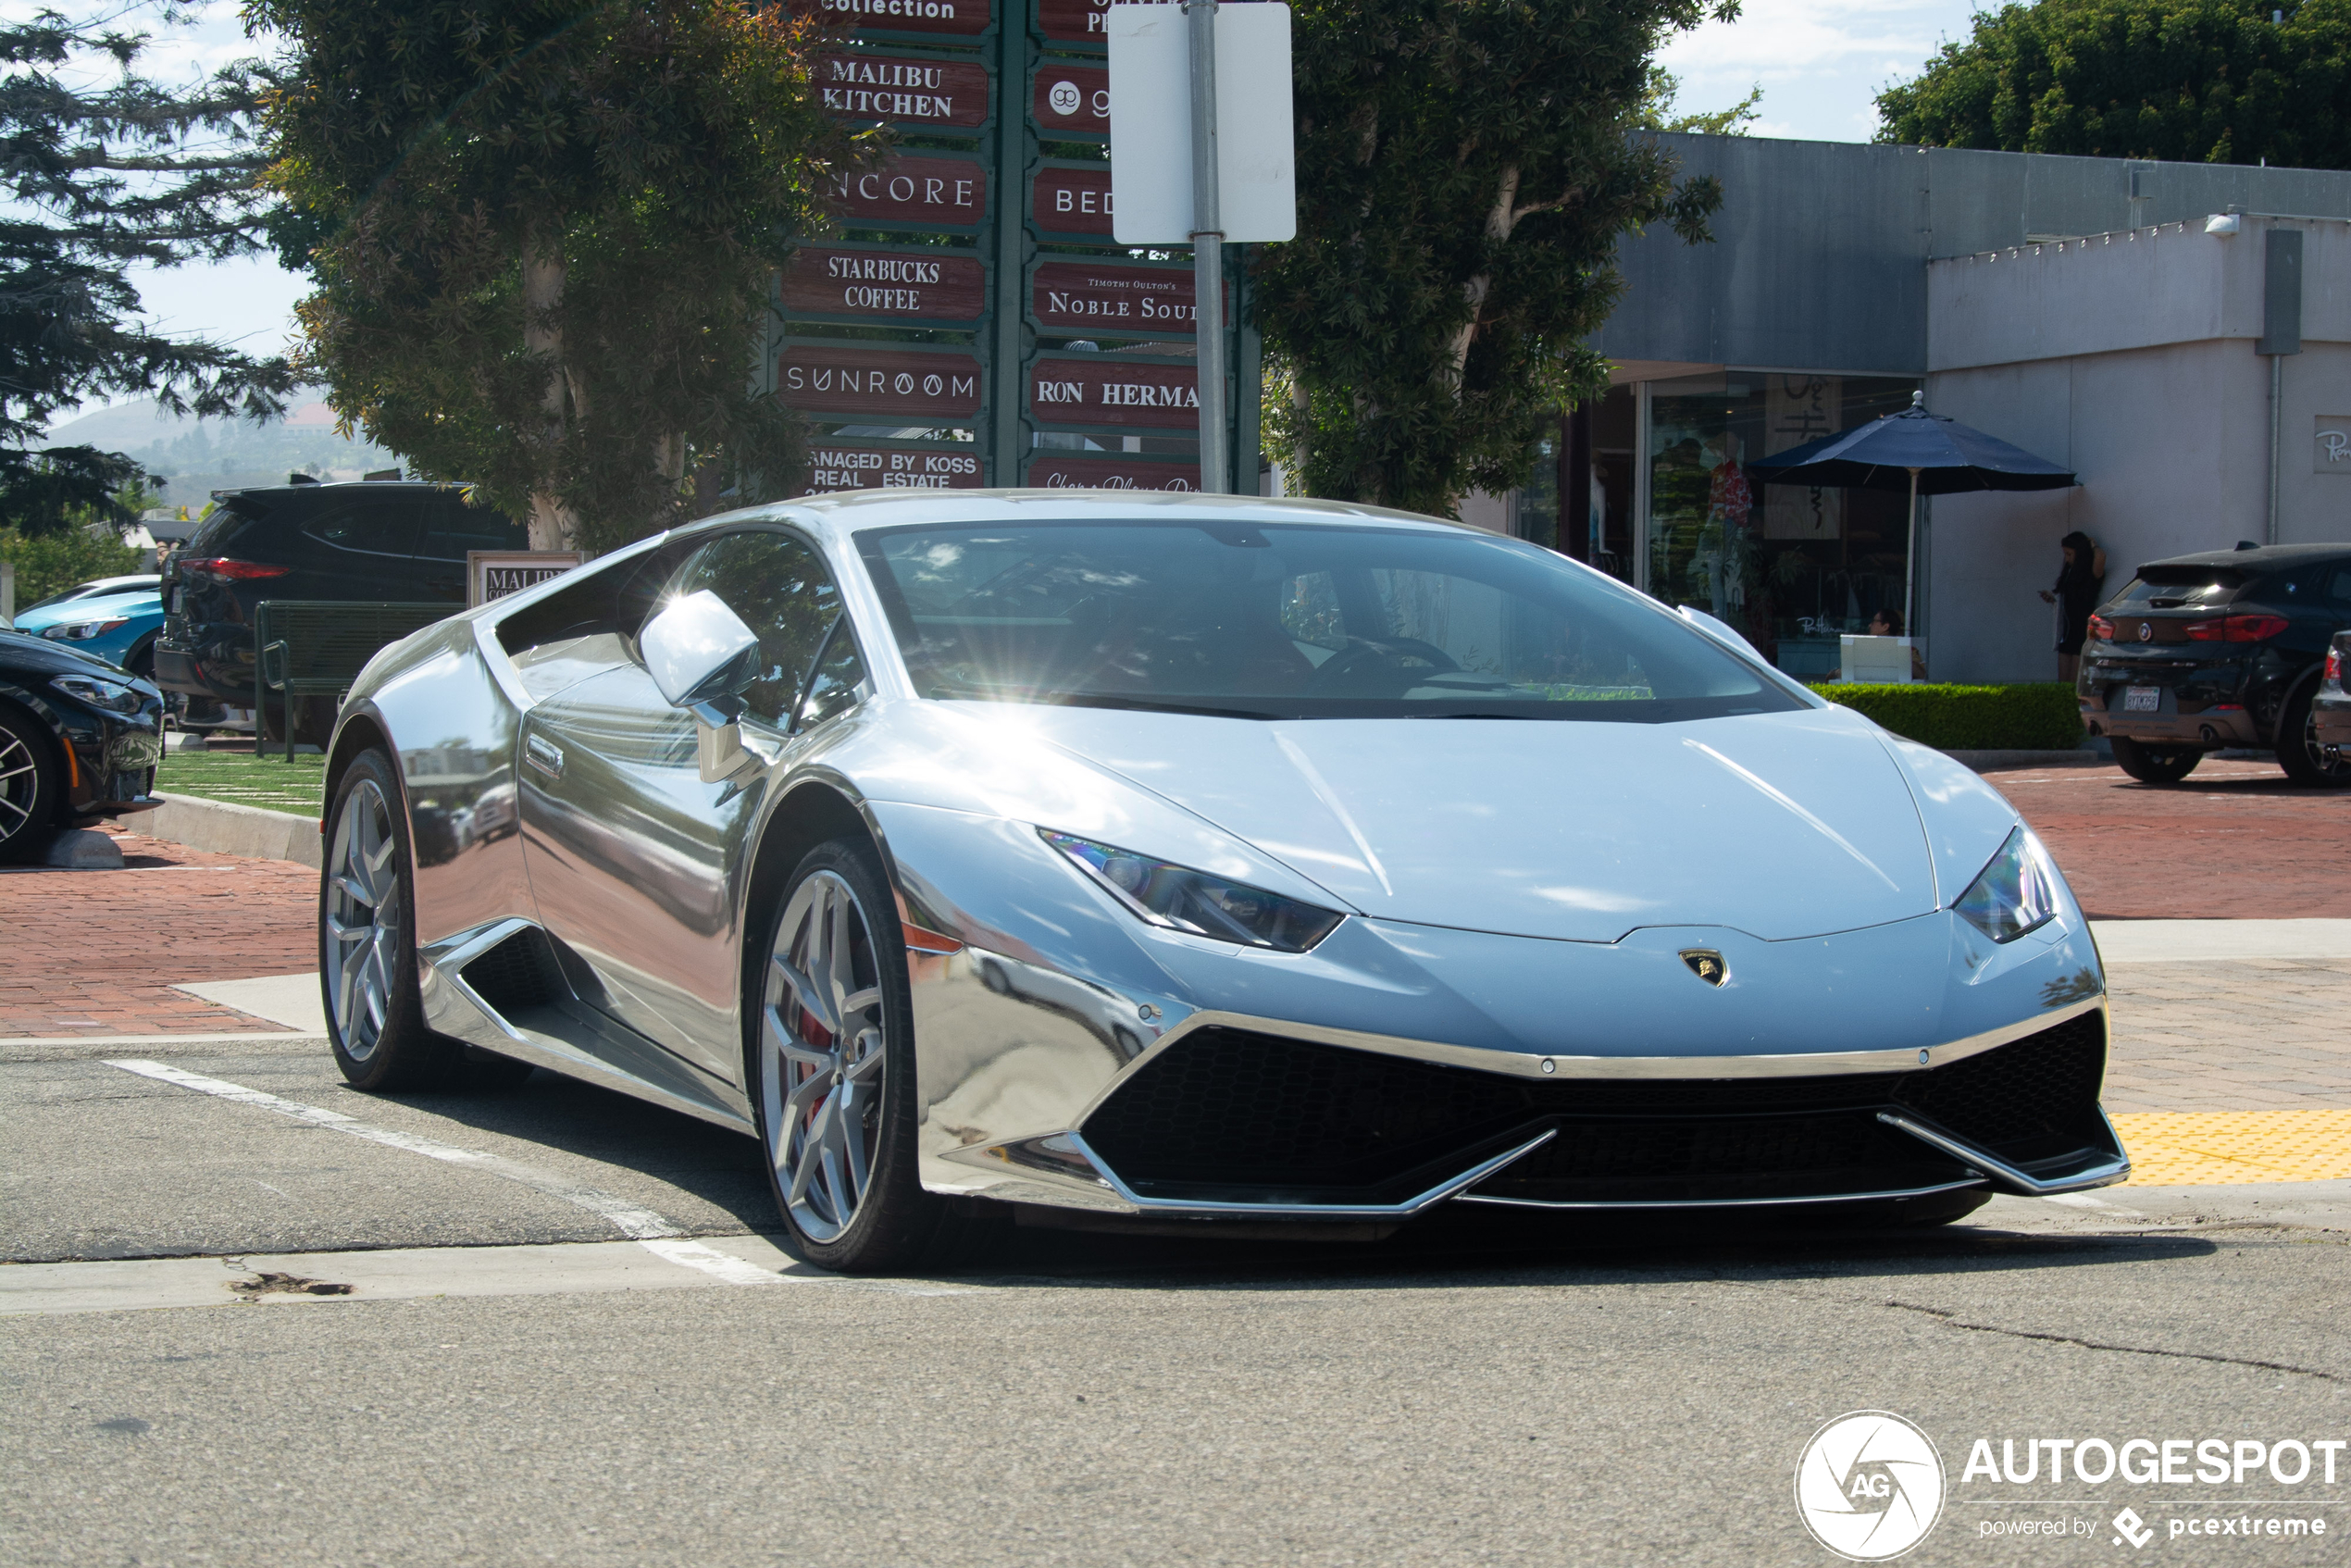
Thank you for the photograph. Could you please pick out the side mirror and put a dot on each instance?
(699, 652)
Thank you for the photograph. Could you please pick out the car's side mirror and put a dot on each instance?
(699, 654)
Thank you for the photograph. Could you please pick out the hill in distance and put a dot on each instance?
(198, 456)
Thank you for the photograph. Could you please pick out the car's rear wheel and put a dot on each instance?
(2152, 764)
(2305, 761)
(29, 788)
(834, 1062)
(368, 941)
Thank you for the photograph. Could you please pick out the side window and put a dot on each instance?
(833, 688)
(779, 585)
(451, 527)
(2339, 585)
(374, 528)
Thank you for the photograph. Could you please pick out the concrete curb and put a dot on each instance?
(1982, 759)
(225, 828)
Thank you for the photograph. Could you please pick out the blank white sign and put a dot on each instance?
(1150, 125)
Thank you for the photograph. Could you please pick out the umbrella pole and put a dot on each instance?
(1910, 566)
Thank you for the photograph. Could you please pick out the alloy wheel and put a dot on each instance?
(363, 920)
(823, 1050)
(19, 783)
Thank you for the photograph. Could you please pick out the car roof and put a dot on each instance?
(845, 512)
(2261, 558)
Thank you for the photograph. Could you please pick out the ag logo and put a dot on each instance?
(1707, 965)
(1869, 1486)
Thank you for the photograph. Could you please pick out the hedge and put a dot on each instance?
(2040, 715)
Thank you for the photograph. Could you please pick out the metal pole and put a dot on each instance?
(2276, 441)
(1910, 566)
(1207, 253)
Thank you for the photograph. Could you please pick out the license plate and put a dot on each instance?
(2142, 699)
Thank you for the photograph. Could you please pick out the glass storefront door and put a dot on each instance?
(1791, 567)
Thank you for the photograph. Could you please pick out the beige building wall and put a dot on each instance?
(2130, 359)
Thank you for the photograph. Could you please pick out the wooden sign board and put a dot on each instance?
(1102, 297)
(837, 465)
(1072, 21)
(1106, 391)
(1052, 472)
(948, 191)
(962, 18)
(1073, 200)
(906, 89)
(908, 383)
(1071, 100)
(918, 285)
(493, 574)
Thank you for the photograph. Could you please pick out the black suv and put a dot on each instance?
(2201, 653)
(387, 541)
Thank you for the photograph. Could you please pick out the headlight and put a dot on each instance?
(1184, 900)
(80, 631)
(2016, 893)
(99, 693)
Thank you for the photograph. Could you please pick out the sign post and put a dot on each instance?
(1208, 245)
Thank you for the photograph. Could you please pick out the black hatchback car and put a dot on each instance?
(372, 539)
(2203, 653)
(79, 739)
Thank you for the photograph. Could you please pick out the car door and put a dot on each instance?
(637, 860)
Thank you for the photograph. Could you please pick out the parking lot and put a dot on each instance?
(253, 1315)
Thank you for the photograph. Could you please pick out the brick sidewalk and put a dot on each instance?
(98, 952)
(2257, 1035)
(2237, 842)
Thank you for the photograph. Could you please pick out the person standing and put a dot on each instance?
(2080, 584)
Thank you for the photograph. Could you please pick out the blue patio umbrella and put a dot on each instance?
(1923, 453)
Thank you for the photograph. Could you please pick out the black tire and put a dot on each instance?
(30, 788)
(2150, 765)
(367, 942)
(141, 661)
(816, 1126)
(2299, 753)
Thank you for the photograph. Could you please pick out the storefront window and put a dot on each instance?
(1791, 567)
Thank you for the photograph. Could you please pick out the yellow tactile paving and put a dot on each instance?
(2227, 1148)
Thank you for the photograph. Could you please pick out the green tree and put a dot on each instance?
(106, 169)
(544, 232)
(1465, 168)
(1656, 110)
(2190, 80)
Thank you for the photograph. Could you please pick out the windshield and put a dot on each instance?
(1291, 621)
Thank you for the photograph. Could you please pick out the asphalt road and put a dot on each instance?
(1471, 1391)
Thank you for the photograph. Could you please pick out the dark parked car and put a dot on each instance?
(2330, 710)
(374, 540)
(79, 739)
(2203, 653)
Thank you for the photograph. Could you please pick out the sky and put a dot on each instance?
(1819, 62)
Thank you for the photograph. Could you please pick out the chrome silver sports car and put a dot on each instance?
(1224, 859)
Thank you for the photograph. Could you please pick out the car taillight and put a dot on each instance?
(243, 571)
(2101, 629)
(2236, 628)
(2334, 665)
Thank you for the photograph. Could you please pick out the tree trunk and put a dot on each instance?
(553, 527)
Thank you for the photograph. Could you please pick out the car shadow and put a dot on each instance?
(1454, 1246)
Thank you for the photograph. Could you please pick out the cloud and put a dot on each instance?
(1820, 62)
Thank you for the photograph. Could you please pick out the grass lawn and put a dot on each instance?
(272, 783)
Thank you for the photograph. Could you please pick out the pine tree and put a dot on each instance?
(104, 177)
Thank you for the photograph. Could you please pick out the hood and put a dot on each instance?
(1778, 825)
(27, 655)
(97, 608)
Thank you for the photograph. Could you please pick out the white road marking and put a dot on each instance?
(660, 1236)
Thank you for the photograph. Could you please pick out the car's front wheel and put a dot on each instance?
(29, 788)
(834, 1061)
(2305, 761)
(368, 941)
(2151, 764)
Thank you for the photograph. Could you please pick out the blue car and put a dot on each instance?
(118, 626)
